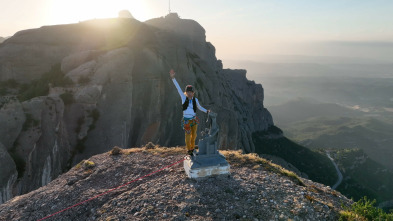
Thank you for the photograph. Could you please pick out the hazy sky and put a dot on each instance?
(243, 29)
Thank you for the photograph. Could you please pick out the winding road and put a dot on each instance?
(340, 175)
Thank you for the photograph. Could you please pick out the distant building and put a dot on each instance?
(172, 15)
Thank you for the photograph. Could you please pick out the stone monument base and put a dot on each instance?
(194, 169)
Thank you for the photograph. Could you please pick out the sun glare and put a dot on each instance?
(73, 11)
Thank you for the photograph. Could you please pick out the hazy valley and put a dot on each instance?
(344, 107)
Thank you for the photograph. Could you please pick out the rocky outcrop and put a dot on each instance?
(8, 175)
(255, 190)
(120, 92)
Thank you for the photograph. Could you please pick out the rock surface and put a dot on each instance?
(121, 93)
(251, 192)
(8, 174)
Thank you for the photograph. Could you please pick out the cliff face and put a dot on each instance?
(120, 94)
(255, 190)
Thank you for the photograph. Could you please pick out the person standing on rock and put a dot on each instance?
(190, 120)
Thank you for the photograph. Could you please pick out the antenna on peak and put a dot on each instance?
(169, 6)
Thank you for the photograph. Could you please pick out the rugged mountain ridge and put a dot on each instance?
(255, 190)
(118, 93)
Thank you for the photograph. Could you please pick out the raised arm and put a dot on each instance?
(182, 96)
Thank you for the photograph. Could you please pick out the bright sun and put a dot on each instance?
(73, 11)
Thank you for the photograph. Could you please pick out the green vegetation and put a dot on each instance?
(68, 98)
(116, 151)
(363, 176)
(369, 139)
(364, 209)
(316, 165)
(40, 87)
(5, 85)
(85, 164)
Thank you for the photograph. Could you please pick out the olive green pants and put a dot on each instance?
(191, 137)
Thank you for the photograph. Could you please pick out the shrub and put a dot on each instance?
(35, 89)
(67, 98)
(40, 87)
(364, 209)
(3, 91)
(116, 151)
(11, 83)
(86, 164)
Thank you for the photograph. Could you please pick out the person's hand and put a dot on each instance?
(208, 111)
(172, 73)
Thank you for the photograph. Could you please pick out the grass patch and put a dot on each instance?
(236, 158)
(162, 151)
(85, 164)
(364, 209)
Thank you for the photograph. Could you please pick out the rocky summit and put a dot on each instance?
(256, 189)
(68, 92)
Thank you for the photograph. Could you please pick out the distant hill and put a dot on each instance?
(316, 165)
(363, 176)
(2, 39)
(301, 109)
(371, 135)
(312, 66)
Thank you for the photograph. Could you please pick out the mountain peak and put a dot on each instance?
(256, 189)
